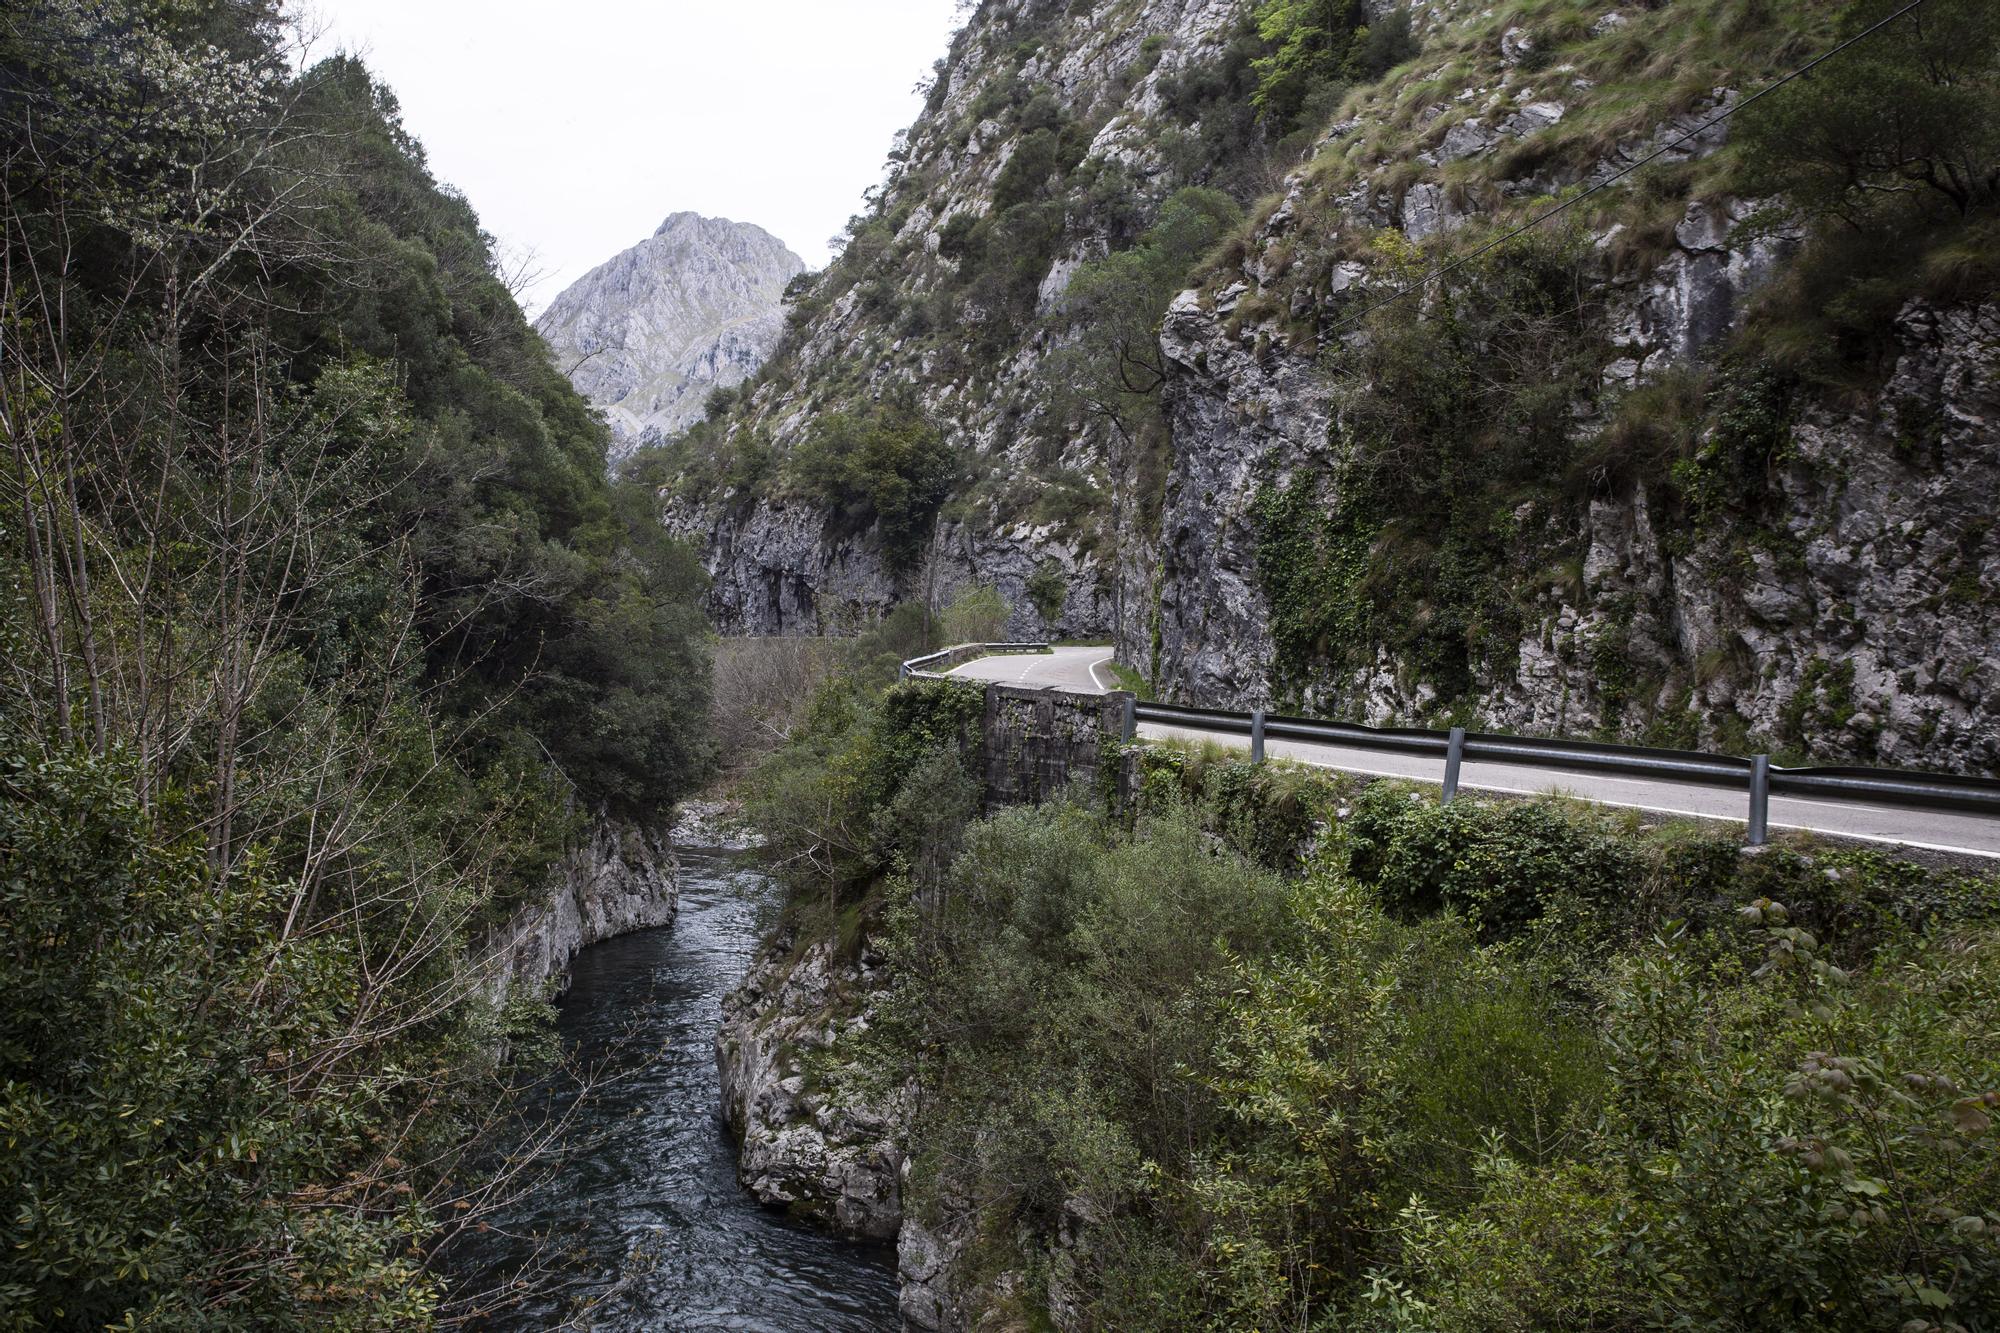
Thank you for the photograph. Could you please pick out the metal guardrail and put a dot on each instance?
(1756, 774)
(915, 666)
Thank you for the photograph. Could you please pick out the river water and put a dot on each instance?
(647, 1226)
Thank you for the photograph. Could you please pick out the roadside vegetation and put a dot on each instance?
(1273, 1048)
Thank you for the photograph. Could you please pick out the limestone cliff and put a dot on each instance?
(910, 313)
(649, 333)
(1598, 480)
(623, 878)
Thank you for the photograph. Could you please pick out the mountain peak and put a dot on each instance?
(647, 334)
(690, 221)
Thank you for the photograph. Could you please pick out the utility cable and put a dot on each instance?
(1419, 283)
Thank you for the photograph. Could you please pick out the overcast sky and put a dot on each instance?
(575, 126)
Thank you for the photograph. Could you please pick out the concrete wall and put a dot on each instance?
(1033, 743)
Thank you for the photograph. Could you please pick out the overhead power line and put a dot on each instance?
(1441, 270)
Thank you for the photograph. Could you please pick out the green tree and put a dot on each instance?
(1910, 112)
(1113, 369)
(889, 467)
(1309, 42)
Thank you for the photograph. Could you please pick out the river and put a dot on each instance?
(651, 1229)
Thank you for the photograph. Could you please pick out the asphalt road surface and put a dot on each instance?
(1087, 671)
(1080, 670)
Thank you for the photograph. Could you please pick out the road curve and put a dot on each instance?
(1079, 670)
(1087, 671)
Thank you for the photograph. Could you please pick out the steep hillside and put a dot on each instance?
(345, 695)
(915, 381)
(1704, 459)
(649, 333)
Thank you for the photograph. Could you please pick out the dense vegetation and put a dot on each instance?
(324, 636)
(1270, 1050)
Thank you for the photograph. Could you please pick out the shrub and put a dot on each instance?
(1113, 368)
(1503, 868)
(1047, 590)
(820, 798)
(977, 615)
(889, 467)
(164, 1141)
(1051, 985)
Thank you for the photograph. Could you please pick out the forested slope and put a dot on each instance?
(325, 638)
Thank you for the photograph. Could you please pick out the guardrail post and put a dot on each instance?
(1128, 719)
(1257, 736)
(1760, 799)
(1454, 755)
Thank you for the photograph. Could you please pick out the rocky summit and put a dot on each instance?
(649, 333)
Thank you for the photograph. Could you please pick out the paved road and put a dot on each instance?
(1082, 670)
(1087, 670)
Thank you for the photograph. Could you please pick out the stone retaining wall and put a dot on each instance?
(1034, 743)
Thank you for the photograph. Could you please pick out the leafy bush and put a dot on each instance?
(1317, 47)
(1269, 813)
(890, 467)
(1052, 983)
(1500, 868)
(1047, 591)
(169, 1139)
(1113, 369)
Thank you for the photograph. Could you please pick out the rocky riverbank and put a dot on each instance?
(823, 1135)
(820, 1134)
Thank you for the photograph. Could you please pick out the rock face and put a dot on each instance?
(1857, 619)
(816, 1136)
(648, 334)
(823, 1136)
(780, 566)
(1855, 616)
(624, 878)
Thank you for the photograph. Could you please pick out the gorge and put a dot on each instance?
(470, 858)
